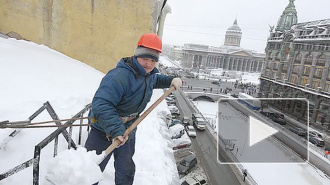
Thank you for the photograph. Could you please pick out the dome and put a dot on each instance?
(234, 27)
(233, 35)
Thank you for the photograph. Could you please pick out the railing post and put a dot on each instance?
(80, 130)
(52, 114)
(37, 151)
(35, 162)
(55, 146)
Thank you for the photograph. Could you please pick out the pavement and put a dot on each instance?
(199, 85)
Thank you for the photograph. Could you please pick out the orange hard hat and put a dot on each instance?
(152, 41)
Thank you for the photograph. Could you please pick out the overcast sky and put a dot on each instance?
(206, 21)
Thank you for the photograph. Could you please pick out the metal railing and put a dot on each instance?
(35, 161)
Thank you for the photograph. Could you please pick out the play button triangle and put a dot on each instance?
(259, 131)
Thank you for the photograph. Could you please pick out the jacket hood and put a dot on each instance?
(133, 65)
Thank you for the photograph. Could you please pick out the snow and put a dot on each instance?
(81, 167)
(167, 63)
(269, 173)
(30, 75)
(232, 76)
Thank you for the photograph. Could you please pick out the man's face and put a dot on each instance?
(148, 64)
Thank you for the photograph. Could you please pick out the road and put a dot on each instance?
(205, 147)
(200, 84)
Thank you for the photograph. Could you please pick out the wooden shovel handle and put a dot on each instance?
(134, 125)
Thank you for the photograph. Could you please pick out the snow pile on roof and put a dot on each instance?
(30, 75)
(75, 167)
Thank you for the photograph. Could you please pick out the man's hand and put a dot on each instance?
(121, 139)
(177, 83)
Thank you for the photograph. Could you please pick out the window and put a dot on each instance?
(308, 47)
(298, 58)
(276, 66)
(294, 79)
(327, 88)
(270, 57)
(296, 68)
(271, 46)
(267, 73)
(274, 75)
(307, 70)
(309, 59)
(304, 81)
(297, 46)
(316, 84)
(321, 59)
(277, 56)
(285, 67)
(318, 72)
(269, 64)
(278, 46)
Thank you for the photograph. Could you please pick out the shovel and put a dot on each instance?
(75, 162)
(134, 125)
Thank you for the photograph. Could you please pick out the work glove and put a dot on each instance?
(122, 140)
(177, 83)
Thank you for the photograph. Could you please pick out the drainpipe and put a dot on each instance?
(166, 9)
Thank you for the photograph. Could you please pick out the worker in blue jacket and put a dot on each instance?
(122, 95)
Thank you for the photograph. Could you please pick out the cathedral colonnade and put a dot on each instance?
(212, 61)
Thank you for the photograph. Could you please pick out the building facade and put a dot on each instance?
(98, 33)
(230, 56)
(297, 66)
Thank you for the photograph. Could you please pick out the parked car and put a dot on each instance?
(191, 132)
(278, 120)
(169, 116)
(174, 110)
(174, 122)
(234, 95)
(275, 114)
(264, 113)
(194, 180)
(272, 114)
(171, 96)
(170, 101)
(313, 133)
(298, 131)
(198, 121)
(187, 164)
(185, 120)
(168, 98)
(176, 131)
(215, 82)
(190, 75)
(181, 144)
(316, 141)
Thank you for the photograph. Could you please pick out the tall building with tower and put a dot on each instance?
(297, 65)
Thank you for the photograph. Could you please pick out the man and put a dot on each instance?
(122, 95)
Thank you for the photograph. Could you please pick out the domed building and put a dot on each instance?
(229, 56)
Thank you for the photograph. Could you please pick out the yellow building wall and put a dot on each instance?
(96, 32)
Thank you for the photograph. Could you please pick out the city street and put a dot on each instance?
(198, 85)
(206, 152)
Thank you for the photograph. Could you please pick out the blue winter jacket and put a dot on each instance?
(123, 91)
